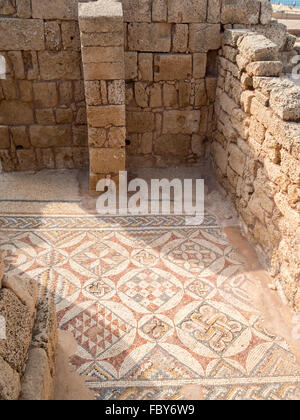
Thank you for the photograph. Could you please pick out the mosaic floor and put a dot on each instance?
(154, 306)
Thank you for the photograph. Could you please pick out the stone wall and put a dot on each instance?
(102, 39)
(256, 146)
(28, 340)
(42, 101)
(170, 51)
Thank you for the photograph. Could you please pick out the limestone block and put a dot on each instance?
(25, 88)
(131, 66)
(180, 38)
(44, 333)
(199, 65)
(18, 330)
(24, 9)
(103, 54)
(105, 39)
(100, 16)
(265, 68)
(151, 37)
(275, 31)
(170, 95)
(172, 67)
(266, 12)
(258, 48)
(21, 34)
(145, 67)
(116, 137)
(64, 158)
(220, 155)
(155, 96)
(141, 94)
(231, 36)
(181, 122)
(104, 116)
(116, 92)
(214, 11)
(137, 10)
(105, 71)
(240, 11)
(4, 138)
(16, 59)
(7, 8)
(26, 160)
(10, 386)
(187, 11)
(45, 158)
(237, 159)
(15, 113)
(37, 382)
(140, 122)
(257, 130)
(105, 161)
(25, 290)
(45, 116)
(60, 65)
(286, 103)
(48, 136)
(290, 166)
(45, 94)
(52, 35)
(204, 37)
(173, 144)
(63, 115)
(54, 9)
(159, 11)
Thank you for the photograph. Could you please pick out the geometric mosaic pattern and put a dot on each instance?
(154, 306)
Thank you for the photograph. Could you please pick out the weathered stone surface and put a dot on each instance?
(10, 385)
(15, 113)
(140, 122)
(21, 34)
(4, 137)
(240, 11)
(172, 67)
(25, 290)
(204, 37)
(159, 11)
(286, 103)
(187, 11)
(258, 48)
(105, 71)
(173, 144)
(7, 8)
(137, 10)
(54, 9)
(180, 38)
(266, 12)
(152, 37)
(37, 382)
(185, 122)
(265, 68)
(48, 136)
(105, 161)
(18, 330)
(145, 67)
(60, 65)
(131, 67)
(44, 334)
(103, 54)
(106, 115)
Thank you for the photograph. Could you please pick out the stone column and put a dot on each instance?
(102, 42)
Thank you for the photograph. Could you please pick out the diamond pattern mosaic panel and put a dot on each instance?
(154, 306)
